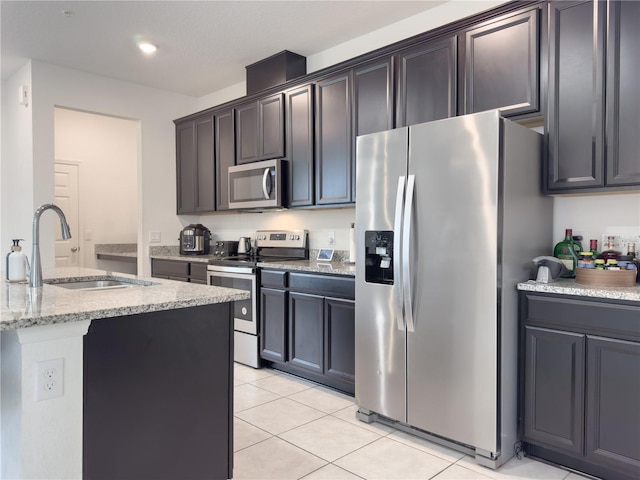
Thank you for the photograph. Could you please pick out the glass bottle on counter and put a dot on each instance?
(567, 251)
(593, 248)
(610, 252)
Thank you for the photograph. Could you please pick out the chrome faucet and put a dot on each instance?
(35, 277)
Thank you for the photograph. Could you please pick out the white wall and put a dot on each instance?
(106, 151)
(17, 164)
(155, 110)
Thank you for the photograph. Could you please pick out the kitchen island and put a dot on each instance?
(141, 379)
(580, 376)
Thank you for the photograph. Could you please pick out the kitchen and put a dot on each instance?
(32, 128)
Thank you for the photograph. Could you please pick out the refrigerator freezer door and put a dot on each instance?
(381, 159)
(452, 355)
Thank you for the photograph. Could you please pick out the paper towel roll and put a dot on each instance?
(352, 243)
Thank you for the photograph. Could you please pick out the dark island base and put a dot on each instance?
(158, 395)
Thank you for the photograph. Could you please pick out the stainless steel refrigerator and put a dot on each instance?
(448, 217)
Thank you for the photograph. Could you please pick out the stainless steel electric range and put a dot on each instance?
(241, 271)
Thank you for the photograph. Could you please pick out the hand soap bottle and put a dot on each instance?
(17, 263)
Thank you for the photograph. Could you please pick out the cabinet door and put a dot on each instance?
(334, 157)
(271, 127)
(172, 269)
(623, 94)
(204, 170)
(576, 89)
(339, 339)
(247, 133)
(273, 322)
(554, 389)
(502, 65)
(427, 82)
(225, 156)
(185, 166)
(305, 331)
(613, 404)
(373, 97)
(300, 131)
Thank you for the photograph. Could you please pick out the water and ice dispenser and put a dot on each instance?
(378, 256)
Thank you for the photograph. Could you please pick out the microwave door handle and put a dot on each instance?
(266, 190)
(397, 253)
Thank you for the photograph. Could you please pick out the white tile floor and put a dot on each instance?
(287, 428)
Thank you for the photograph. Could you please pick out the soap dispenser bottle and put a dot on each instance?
(17, 263)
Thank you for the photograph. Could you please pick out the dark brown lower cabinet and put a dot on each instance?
(183, 271)
(158, 395)
(580, 383)
(308, 326)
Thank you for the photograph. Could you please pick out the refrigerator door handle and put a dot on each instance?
(397, 252)
(406, 250)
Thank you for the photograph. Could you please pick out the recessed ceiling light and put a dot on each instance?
(147, 48)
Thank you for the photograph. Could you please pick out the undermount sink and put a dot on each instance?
(102, 284)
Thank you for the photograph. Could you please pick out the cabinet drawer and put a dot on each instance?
(169, 268)
(331, 286)
(274, 279)
(199, 272)
(584, 316)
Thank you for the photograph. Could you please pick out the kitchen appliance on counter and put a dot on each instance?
(225, 248)
(258, 185)
(195, 239)
(244, 245)
(444, 235)
(241, 271)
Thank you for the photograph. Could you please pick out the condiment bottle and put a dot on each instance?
(567, 251)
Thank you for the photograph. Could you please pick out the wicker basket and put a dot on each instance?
(605, 278)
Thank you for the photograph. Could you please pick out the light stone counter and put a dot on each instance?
(21, 307)
(566, 286)
(335, 268)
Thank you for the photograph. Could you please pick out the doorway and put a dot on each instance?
(105, 150)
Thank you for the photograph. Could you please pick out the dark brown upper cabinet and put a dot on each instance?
(334, 158)
(502, 65)
(588, 87)
(260, 129)
(623, 95)
(195, 165)
(427, 82)
(225, 155)
(300, 145)
(373, 88)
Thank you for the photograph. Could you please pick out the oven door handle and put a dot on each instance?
(232, 272)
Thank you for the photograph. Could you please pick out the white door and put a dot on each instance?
(66, 197)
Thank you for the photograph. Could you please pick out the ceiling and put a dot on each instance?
(203, 45)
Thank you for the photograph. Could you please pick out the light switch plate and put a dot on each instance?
(155, 237)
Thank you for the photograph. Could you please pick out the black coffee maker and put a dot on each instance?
(195, 240)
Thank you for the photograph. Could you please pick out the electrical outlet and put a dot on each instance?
(332, 238)
(49, 379)
(155, 237)
(621, 242)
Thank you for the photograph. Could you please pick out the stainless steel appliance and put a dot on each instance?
(448, 216)
(258, 185)
(241, 271)
(195, 240)
(244, 245)
(225, 248)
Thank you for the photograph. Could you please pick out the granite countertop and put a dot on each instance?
(22, 307)
(566, 286)
(116, 251)
(335, 268)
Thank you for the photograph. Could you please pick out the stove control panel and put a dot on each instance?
(282, 238)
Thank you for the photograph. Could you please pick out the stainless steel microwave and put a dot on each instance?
(258, 185)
